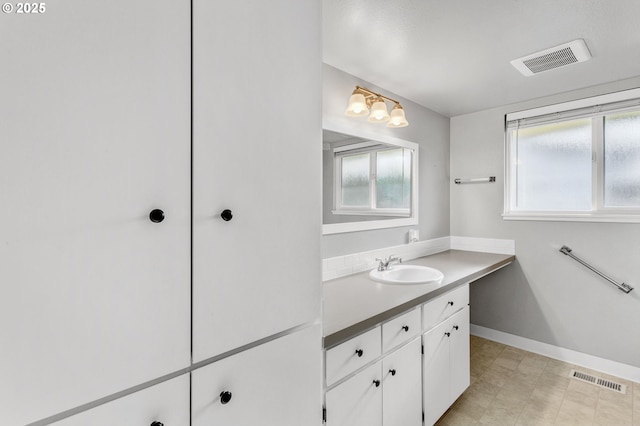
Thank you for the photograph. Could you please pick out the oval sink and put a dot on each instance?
(407, 274)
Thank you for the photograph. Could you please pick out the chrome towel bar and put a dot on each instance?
(475, 180)
(622, 287)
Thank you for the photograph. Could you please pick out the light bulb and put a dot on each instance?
(357, 106)
(379, 112)
(397, 117)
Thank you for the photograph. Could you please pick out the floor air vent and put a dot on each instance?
(552, 58)
(603, 383)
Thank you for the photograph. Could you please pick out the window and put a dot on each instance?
(373, 180)
(575, 161)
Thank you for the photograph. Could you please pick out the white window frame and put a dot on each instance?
(595, 108)
(372, 149)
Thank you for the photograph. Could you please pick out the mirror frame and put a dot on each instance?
(339, 228)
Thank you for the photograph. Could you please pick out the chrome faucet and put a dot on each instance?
(386, 263)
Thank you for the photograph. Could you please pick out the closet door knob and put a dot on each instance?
(376, 382)
(392, 371)
(157, 424)
(450, 303)
(455, 327)
(359, 352)
(225, 397)
(156, 215)
(226, 215)
(405, 328)
(447, 334)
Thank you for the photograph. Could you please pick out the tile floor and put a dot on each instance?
(510, 386)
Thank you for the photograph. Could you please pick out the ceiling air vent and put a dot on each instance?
(555, 57)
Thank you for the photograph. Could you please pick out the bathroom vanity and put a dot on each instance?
(398, 355)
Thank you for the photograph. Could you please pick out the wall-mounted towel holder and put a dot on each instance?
(622, 287)
(475, 180)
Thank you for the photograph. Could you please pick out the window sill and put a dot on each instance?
(574, 217)
(390, 213)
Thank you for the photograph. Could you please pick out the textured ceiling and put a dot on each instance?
(453, 56)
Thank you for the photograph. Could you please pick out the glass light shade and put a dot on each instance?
(357, 106)
(379, 112)
(397, 118)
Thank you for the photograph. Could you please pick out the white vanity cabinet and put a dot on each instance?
(95, 131)
(386, 393)
(386, 388)
(165, 404)
(273, 384)
(446, 368)
(256, 149)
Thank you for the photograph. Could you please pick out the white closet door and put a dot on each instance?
(166, 403)
(278, 383)
(257, 152)
(94, 134)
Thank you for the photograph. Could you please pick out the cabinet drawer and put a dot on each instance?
(444, 306)
(347, 357)
(400, 329)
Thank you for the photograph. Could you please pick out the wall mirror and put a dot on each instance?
(368, 182)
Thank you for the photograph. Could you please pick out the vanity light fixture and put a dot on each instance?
(362, 100)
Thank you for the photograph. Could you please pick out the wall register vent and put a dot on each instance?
(597, 381)
(552, 58)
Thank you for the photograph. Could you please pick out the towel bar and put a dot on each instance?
(475, 180)
(622, 287)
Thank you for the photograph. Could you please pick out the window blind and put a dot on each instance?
(588, 107)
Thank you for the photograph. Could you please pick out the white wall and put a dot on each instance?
(428, 129)
(545, 296)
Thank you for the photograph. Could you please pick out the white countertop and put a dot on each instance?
(355, 303)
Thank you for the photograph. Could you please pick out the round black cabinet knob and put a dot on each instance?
(392, 371)
(455, 327)
(157, 424)
(405, 328)
(225, 397)
(226, 215)
(156, 216)
(376, 382)
(359, 352)
(450, 303)
(447, 334)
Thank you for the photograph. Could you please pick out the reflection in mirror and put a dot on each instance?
(367, 184)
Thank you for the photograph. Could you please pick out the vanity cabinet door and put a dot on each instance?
(402, 386)
(358, 400)
(436, 373)
(166, 403)
(256, 170)
(446, 369)
(275, 384)
(95, 131)
(460, 354)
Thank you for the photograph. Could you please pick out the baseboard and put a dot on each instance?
(606, 366)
